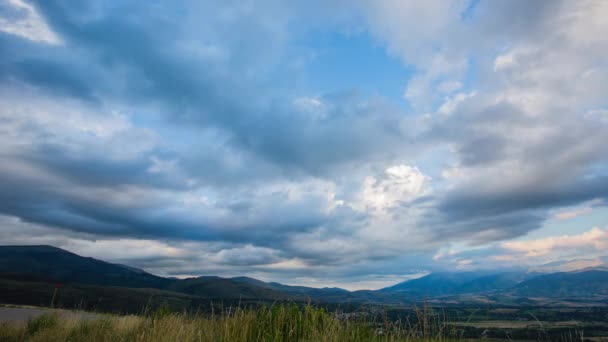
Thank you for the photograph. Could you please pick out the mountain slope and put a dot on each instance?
(294, 290)
(48, 265)
(586, 282)
(434, 284)
(53, 264)
(217, 287)
(493, 282)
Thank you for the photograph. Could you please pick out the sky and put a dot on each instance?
(322, 143)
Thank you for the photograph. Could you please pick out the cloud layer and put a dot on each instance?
(196, 134)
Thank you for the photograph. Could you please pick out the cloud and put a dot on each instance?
(596, 239)
(398, 184)
(210, 139)
(20, 18)
(570, 214)
(451, 103)
(566, 215)
(570, 265)
(519, 143)
(552, 253)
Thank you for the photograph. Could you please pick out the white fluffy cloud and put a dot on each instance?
(397, 184)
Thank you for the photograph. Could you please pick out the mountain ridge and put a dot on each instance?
(52, 264)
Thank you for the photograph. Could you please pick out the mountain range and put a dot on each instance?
(31, 267)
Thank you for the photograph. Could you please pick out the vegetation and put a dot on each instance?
(267, 323)
(132, 305)
(285, 322)
(119, 300)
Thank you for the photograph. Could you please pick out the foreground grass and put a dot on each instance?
(277, 323)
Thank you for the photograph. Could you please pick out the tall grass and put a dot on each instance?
(267, 323)
(274, 323)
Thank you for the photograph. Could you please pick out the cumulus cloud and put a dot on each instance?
(398, 184)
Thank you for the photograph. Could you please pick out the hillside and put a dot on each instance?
(47, 263)
(584, 283)
(494, 282)
(36, 269)
(51, 264)
(433, 284)
(300, 291)
(95, 297)
(226, 288)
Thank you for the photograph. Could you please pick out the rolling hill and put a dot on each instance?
(227, 288)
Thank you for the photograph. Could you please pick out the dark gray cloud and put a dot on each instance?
(133, 212)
